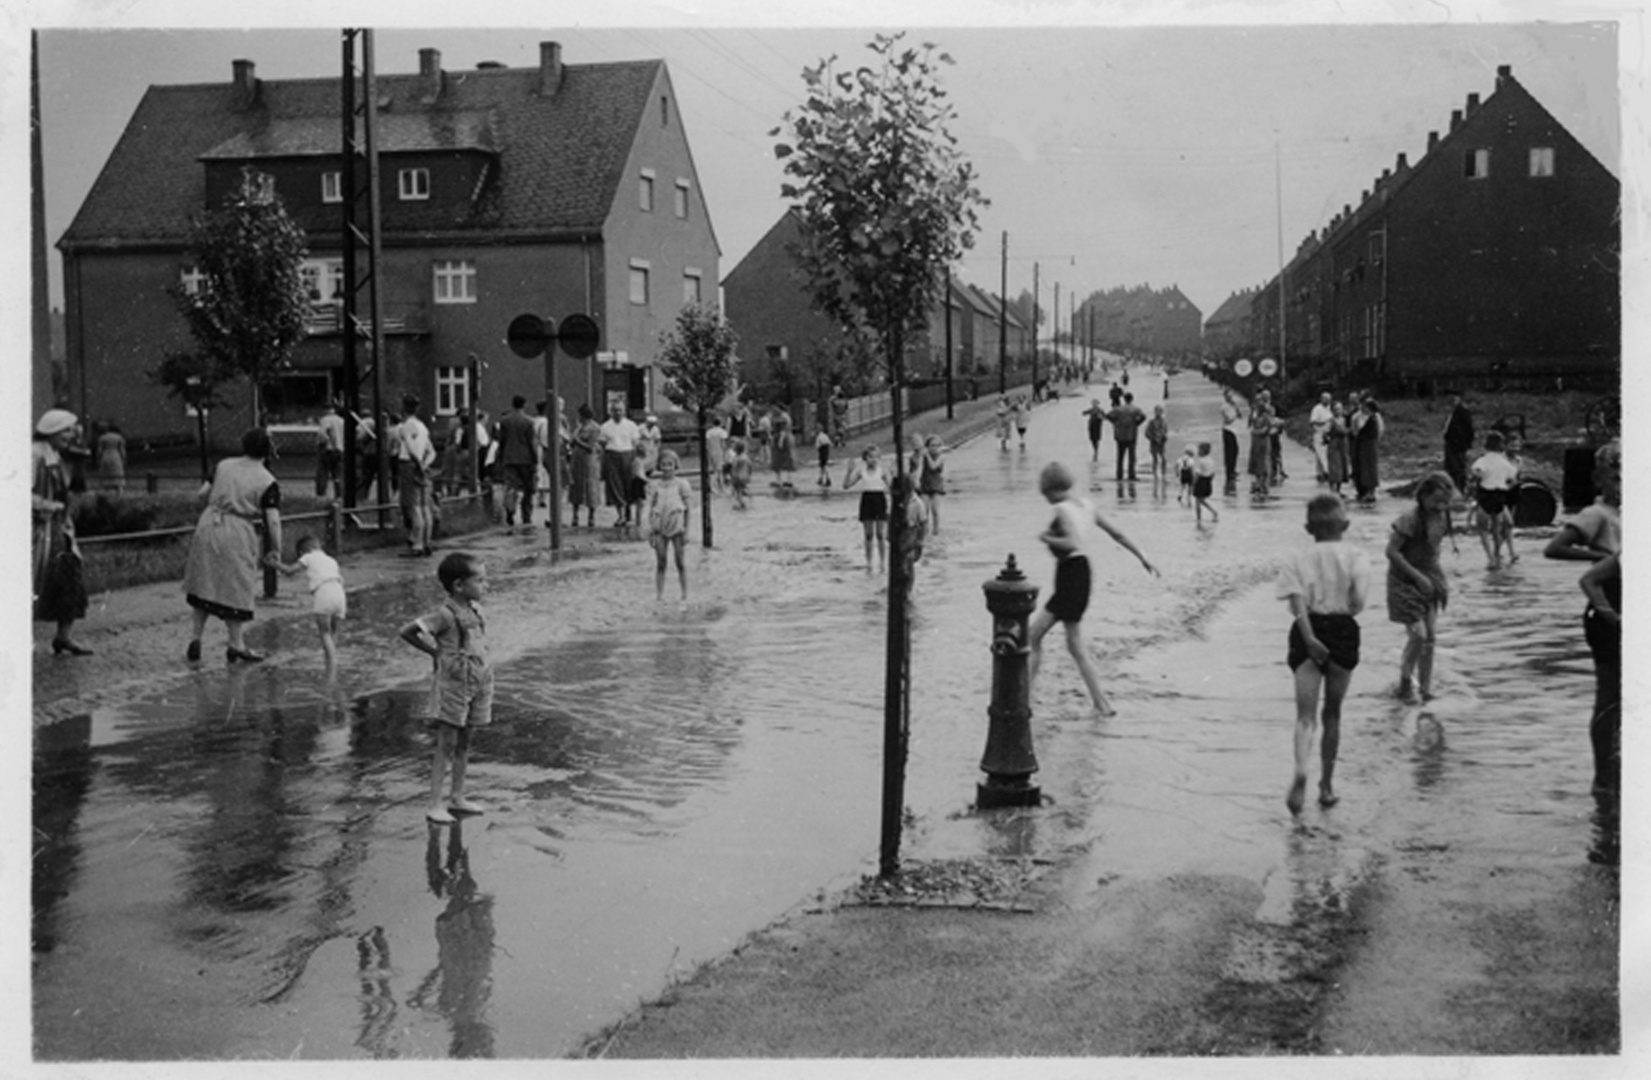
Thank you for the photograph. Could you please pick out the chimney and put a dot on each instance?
(1455, 119)
(1402, 164)
(429, 74)
(1503, 73)
(1473, 104)
(550, 67)
(243, 84)
(1432, 140)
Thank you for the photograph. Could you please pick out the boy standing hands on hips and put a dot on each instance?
(454, 636)
(1325, 586)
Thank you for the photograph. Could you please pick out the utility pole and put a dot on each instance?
(949, 398)
(1055, 329)
(1002, 319)
(1034, 324)
(1278, 189)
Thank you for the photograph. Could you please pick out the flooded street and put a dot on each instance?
(233, 863)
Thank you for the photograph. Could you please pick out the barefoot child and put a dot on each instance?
(669, 497)
(1186, 472)
(1203, 483)
(822, 450)
(326, 585)
(454, 636)
(1067, 539)
(739, 471)
(930, 467)
(1325, 586)
(1416, 587)
(1493, 480)
(874, 503)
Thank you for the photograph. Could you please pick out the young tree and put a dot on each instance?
(247, 313)
(697, 358)
(198, 382)
(887, 203)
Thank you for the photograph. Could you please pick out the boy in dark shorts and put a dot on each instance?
(1495, 481)
(1067, 539)
(1326, 586)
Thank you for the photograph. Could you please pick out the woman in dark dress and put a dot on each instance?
(59, 582)
(1367, 434)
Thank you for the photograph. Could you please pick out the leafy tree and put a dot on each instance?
(697, 358)
(247, 313)
(886, 203)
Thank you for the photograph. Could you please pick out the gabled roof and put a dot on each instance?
(560, 157)
(1236, 306)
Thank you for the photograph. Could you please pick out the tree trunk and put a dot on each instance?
(704, 482)
(896, 693)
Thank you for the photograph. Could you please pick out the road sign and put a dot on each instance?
(528, 336)
(578, 336)
(1242, 368)
(1268, 367)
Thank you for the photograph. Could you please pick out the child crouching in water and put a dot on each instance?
(326, 585)
(454, 636)
(1416, 587)
(1325, 586)
(667, 516)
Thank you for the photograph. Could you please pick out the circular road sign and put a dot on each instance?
(1242, 369)
(1268, 367)
(527, 336)
(579, 336)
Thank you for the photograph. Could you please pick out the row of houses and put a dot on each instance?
(1140, 318)
(1496, 253)
(789, 348)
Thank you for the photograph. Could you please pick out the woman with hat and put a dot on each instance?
(224, 557)
(59, 582)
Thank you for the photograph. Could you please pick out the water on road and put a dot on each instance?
(234, 863)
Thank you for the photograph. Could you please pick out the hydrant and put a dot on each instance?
(1009, 762)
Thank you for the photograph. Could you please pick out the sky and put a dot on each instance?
(1111, 154)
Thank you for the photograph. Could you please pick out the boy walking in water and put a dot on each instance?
(454, 636)
(1067, 538)
(1325, 586)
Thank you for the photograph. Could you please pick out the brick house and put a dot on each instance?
(1497, 253)
(1141, 318)
(1227, 330)
(554, 189)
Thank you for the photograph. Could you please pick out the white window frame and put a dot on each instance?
(452, 390)
(1542, 161)
(1477, 160)
(641, 271)
(453, 281)
(190, 279)
(413, 185)
(693, 285)
(319, 274)
(332, 187)
(683, 190)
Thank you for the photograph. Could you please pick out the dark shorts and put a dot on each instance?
(874, 506)
(825, 455)
(1071, 596)
(1202, 486)
(415, 485)
(637, 489)
(520, 477)
(1338, 633)
(1493, 502)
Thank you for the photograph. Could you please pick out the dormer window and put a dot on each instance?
(1542, 161)
(332, 187)
(413, 184)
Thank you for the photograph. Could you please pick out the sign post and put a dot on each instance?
(529, 336)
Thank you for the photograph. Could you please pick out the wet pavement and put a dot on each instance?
(233, 862)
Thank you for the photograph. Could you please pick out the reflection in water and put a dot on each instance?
(378, 999)
(1428, 744)
(463, 977)
(63, 768)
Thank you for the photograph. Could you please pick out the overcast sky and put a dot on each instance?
(1111, 155)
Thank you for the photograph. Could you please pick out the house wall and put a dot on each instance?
(671, 245)
(1510, 267)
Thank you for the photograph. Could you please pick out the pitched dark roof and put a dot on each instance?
(560, 158)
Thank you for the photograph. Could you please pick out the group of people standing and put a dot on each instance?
(1347, 442)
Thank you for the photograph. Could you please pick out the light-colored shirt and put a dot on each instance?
(332, 431)
(319, 569)
(621, 434)
(1332, 576)
(413, 442)
(1319, 418)
(1495, 472)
